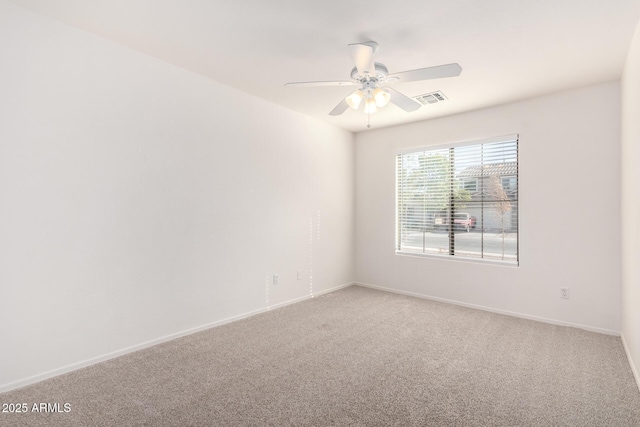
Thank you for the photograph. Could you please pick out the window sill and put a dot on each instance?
(461, 259)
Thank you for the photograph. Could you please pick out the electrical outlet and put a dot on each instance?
(299, 275)
(564, 293)
(276, 279)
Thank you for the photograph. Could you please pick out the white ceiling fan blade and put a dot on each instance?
(402, 101)
(362, 55)
(340, 108)
(437, 72)
(316, 84)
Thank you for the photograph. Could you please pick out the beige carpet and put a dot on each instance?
(355, 357)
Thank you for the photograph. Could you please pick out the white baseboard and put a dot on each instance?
(88, 362)
(493, 310)
(630, 359)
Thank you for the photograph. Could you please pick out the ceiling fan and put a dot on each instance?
(373, 78)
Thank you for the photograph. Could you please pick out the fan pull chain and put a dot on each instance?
(368, 120)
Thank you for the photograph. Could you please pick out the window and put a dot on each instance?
(439, 211)
(509, 183)
(470, 185)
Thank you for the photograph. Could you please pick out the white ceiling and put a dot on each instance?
(508, 49)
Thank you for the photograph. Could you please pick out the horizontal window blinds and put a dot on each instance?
(459, 201)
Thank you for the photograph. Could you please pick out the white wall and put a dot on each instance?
(631, 204)
(139, 200)
(569, 205)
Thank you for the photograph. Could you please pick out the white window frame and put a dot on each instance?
(459, 258)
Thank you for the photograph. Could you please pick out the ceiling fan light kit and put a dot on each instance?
(373, 99)
(372, 75)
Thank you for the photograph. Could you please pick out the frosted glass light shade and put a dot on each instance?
(370, 106)
(354, 99)
(381, 96)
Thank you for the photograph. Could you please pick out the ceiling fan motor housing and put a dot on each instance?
(381, 74)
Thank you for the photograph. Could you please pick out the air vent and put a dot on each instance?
(430, 98)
